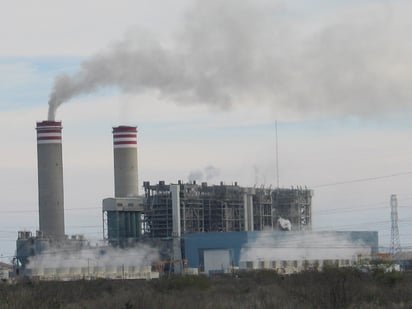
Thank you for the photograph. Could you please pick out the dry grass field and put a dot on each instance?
(332, 288)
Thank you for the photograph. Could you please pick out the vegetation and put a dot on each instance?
(332, 288)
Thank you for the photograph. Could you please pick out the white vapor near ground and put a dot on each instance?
(142, 255)
(299, 247)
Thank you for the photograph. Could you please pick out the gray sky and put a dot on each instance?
(211, 79)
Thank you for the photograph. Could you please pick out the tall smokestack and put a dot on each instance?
(125, 161)
(50, 178)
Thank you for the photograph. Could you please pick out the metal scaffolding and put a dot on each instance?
(294, 205)
(224, 208)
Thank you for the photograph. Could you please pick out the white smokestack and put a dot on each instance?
(126, 182)
(50, 179)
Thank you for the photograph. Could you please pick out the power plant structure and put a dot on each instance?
(51, 232)
(207, 228)
(123, 213)
(205, 208)
(126, 182)
(129, 217)
(226, 208)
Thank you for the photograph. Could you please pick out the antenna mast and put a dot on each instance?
(277, 154)
(395, 246)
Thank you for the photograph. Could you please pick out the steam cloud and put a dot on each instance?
(142, 255)
(307, 246)
(257, 52)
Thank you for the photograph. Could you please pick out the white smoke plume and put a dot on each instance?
(259, 52)
(302, 246)
(142, 255)
(284, 224)
(208, 173)
(196, 175)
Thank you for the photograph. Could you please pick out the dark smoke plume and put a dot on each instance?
(255, 52)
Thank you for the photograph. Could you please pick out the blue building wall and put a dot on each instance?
(195, 244)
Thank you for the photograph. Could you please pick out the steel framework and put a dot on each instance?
(222, 208)
(395, 246)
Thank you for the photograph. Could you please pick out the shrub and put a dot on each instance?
(181, 282)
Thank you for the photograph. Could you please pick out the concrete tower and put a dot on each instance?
(125, 161)
(50, 179)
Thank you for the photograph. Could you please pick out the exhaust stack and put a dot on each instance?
(50, 179)
(125, 161)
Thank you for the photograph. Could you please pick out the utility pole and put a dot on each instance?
(395, 246)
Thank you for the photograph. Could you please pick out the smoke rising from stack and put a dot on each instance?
(206, 174)
(255, 52)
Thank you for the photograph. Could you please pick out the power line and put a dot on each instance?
(36, 210)
(338, 183)
(343, 210)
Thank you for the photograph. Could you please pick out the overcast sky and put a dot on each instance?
(205, 83)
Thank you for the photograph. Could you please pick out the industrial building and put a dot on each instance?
(203, 208)
(123, 213)
(51, 233)
(207, 228)
(5, 271)
(226, 208)
(276, 250)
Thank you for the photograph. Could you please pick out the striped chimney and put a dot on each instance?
(125, 161)
(50, 179)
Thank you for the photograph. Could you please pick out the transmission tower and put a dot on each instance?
(395, 242)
